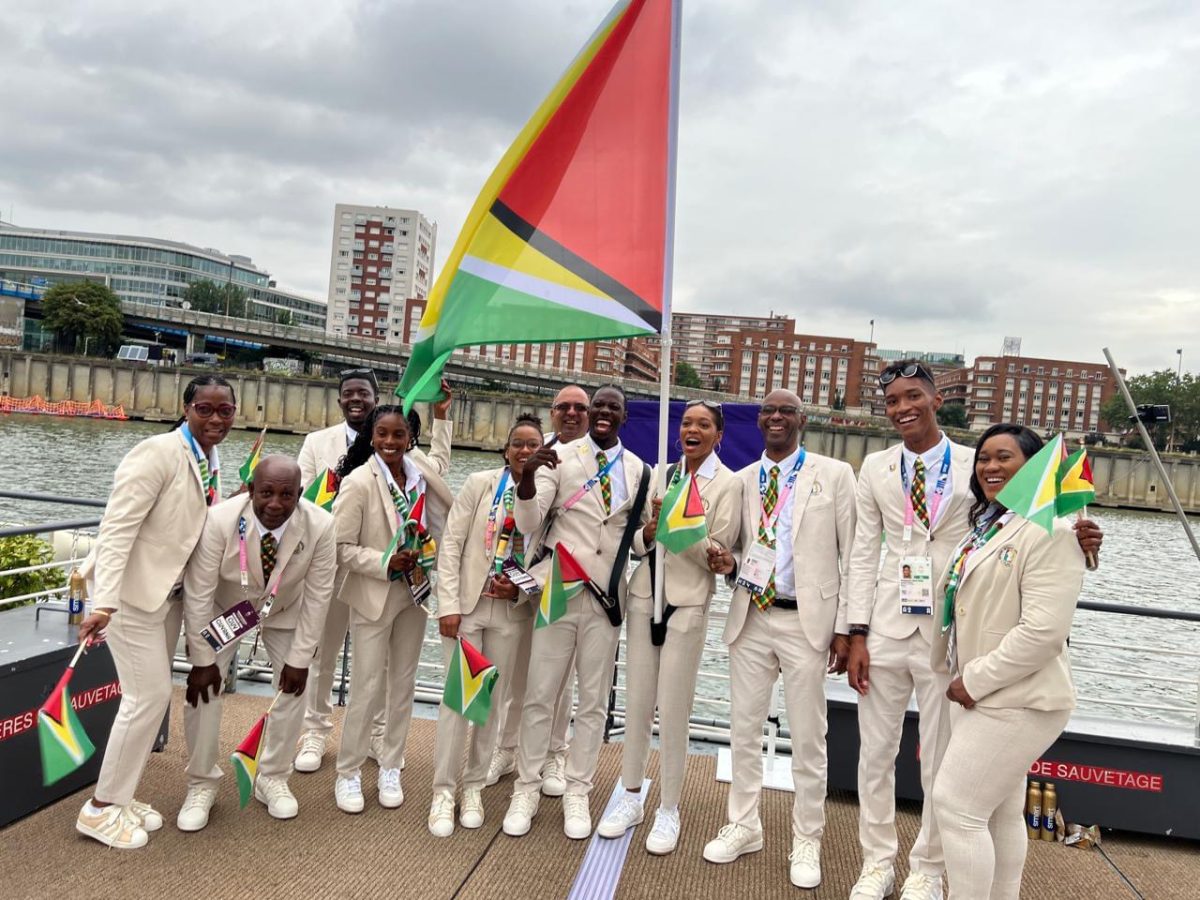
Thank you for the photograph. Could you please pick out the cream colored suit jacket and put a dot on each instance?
(324, 449)
(305, 564)
(822, 534)
(154, 518)
(880, 504)
(463, 563)
(1013, 615)
(689, 580)
(366, 522)
(588, 534)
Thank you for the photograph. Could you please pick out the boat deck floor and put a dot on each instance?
(390, 853)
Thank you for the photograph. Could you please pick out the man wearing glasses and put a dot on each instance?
(358, 393)
(788, 613)
(915, 497)
(569, 421)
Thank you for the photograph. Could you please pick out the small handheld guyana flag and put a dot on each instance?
(413, 535)
(1050, 485)
(251, 463)
(470, 678)
(681, 522)
(323, 489)
(65, 745)
(245, 759)
(567, 578)
(1076, 489)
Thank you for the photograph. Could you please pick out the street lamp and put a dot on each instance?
(1179, 367)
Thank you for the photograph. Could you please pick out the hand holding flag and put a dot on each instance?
(470, 678)
(64, 744)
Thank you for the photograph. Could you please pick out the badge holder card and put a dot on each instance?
(518, 576)
(754, 574)
(230, 625)
(916, 585)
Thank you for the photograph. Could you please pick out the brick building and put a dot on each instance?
(695, 339)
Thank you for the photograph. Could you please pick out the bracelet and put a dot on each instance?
(102, 612)
(856, 630)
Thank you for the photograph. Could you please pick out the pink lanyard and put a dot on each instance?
(497, 504)
(592, 482)
(768, 525)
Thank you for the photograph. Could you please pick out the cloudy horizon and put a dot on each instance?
(956, 172)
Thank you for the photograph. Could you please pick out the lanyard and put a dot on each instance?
(974, 541)
(402, 502)
(498, 501)
(935, 502)
(210, 474)
(244, 567)
(592, 482)
(768, 524)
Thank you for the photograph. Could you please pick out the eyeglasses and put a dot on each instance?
(782, 410)
(570, 407)
(912, 370)
(205, 410)
(530, 444)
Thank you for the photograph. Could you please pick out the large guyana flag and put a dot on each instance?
(567, 239)
(470, 678)
(65, 745)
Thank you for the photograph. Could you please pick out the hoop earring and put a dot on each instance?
(678, 445)
(717, 449)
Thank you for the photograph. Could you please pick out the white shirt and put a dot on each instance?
(785, 575)
(351, 435)
(616, 475)
(933, 468)
(708, 468)
(263, 529)
(412, 475)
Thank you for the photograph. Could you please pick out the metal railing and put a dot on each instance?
(710, 717)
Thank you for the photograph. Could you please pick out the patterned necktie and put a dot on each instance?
(918, 492)
(207, 479)
(770, 498)
(268, 547)
(605, 482)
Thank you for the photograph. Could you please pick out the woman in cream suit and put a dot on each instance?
(664, 675)
(155, 515)
(478, 603)
(1011, 588)
(380, 486)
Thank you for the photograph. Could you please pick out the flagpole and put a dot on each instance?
(665, 362)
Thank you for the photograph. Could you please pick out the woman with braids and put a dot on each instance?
(160, 496)
(390, 510)
(478, 603)
(661, 666)
(1005, 604)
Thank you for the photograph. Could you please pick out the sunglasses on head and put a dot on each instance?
(912, 370)
(707, 404)
(357, 373)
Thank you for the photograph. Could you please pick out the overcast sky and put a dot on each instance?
(958, 171)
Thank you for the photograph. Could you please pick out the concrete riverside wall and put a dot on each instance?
(1123, 478)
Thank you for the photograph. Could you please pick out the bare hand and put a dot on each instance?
(441, 408)
(92, 626)
(720, 560)
(858, 665)
(957, 693)
(292, 680)
(402, 561)
(503, 587)
(199, 680)
(545, 455)
(650, 529)
(839, 653)
(448, 626)
(1090, 536)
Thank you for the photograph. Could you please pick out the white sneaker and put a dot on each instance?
(577, 817)
(554, 777)
(152, 819)
(194, 814)
(470, 812)
(731, 842)
(919, 886)
(875, 883)
(390, 793)
(665, 834)
(348, 793)
(441, 814)
(805, 860)
(114, 826)
(311, 753)
(521, 810)
(278, 797)
(627, 813)
(504, 762)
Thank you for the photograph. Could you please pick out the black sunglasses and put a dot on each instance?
(356, 373)
(912, 370)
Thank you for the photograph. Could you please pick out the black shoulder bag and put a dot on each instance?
(611, 601)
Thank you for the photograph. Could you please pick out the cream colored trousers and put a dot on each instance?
(318, 714)
(979, 796)
(513, 700)
(664, 677)
(142, 646)
(490, 631)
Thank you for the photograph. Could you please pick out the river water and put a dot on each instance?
(1146, 561)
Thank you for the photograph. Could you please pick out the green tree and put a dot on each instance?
(1163, 387)
(952, 415)
(84, 315)
(686, 375)
(284, 317)
(222, 299)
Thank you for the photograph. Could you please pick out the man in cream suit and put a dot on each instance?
(569, 419)
(276, 550)
(358, 393)
(590, 487)
(788, 613)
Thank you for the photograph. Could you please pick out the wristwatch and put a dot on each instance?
(859, 630)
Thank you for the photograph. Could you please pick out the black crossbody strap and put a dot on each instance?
(622, 560)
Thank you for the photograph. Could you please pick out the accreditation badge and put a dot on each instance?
(757, 566)
(230, 625)
(916, 585)
(518, 576)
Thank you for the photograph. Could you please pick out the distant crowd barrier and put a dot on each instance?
(73, 408)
